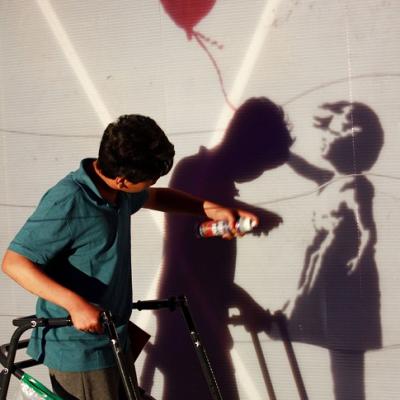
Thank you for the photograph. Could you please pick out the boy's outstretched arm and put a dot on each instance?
(84, 315)
(172, 200)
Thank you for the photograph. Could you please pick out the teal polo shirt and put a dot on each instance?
(84, 243)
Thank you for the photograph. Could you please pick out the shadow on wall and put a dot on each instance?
(256, 140)
(338, 300)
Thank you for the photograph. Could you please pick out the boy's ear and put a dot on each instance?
(120, 182)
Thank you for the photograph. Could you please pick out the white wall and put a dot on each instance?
(69, 67)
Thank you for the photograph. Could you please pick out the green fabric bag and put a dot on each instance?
(32, 389)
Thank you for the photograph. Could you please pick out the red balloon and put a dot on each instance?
(187, 13)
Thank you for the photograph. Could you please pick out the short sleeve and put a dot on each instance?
(46, 232)
(137, 200)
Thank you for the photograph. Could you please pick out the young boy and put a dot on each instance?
(74, 252)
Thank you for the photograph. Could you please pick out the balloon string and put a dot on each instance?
(208, 40)
(199, 38)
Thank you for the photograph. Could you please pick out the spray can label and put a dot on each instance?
(213, 228)
(219, 228)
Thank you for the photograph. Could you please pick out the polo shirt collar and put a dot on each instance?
(83, 179)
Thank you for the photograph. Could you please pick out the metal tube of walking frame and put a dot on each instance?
(131, 388)
(208, 373)
(181, 301)
(8, 352)
(8, 360)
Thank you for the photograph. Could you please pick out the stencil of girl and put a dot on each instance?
(338, 300)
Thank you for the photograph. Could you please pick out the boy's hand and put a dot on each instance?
(86, 317)
(268, 221)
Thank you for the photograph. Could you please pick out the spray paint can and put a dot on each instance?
(220, 228)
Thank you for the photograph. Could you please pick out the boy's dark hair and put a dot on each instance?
(136, 148)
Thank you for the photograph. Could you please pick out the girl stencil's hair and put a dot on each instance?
(359, 151)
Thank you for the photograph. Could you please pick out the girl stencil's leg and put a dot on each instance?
(348, 374)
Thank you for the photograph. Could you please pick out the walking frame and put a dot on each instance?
(8, 351)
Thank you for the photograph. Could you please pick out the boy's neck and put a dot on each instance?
(106, 186)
